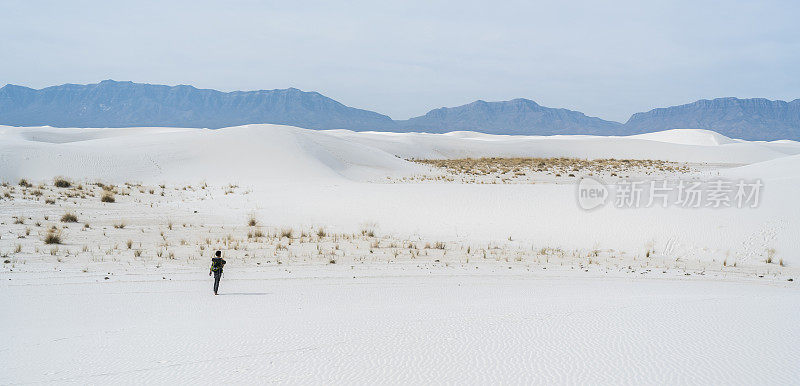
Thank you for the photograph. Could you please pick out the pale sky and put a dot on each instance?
(606, 59)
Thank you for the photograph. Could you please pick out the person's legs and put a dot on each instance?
(217, 276)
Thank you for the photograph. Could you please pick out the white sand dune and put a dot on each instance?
(270, 153)
(785, 168)
(683, 316)
(688, 137)
(247, 154)
(673, 145)
(318, 177)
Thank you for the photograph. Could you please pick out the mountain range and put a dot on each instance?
(127, 104)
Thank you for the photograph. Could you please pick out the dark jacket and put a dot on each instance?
(217, 263)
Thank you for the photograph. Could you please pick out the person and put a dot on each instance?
(216, 268)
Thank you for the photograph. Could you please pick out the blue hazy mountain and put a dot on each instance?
(125, 104)
(518, 116)
(751, 119)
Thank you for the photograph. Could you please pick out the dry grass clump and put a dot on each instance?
(107, 197)
(119, 225)
(252, 221)
(258, 233)
(24, 183)
(572, 167)
(770, 255)
(53, 236)
(61, 182)
(368, 230)
(69, 217)
(287, 232)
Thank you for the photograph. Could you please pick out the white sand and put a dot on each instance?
(393, 325)
(526, 288)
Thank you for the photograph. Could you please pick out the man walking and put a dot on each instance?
(216, 268)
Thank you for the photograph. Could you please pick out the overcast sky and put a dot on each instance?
(606, 59)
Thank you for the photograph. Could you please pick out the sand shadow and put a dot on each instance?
(245, 293)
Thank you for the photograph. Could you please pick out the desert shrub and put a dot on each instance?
(24, 183)
(107, 197)
(61, 182)
(287, 232)
(53, 236)
(252, 221)
(69, 217)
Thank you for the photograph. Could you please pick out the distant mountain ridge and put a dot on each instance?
(751, 119)
(517, 116)
(126, 104)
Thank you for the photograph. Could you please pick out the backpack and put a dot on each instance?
(217, 264)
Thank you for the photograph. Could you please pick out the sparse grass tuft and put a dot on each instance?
(120, 225)
(252, 221)
(287, 232)
(24, 183)
(770, 255)
(69, 217)
(53, 236)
